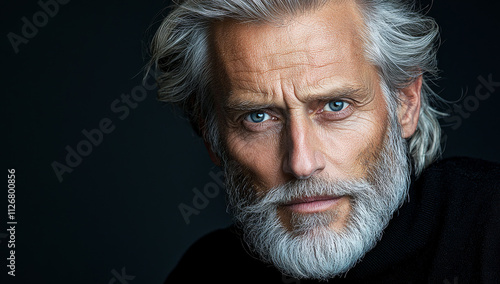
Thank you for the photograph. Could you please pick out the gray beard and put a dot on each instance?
(310, 248)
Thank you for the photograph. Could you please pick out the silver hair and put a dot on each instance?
(400, 42)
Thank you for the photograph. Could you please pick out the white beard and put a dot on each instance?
(311, 249)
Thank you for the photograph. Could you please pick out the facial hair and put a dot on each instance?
(310, 248)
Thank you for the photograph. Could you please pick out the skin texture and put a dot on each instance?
(289, 73)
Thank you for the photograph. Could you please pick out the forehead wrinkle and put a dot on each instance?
(255, 56)
(277, 62)
(277, 69)
(302, 73)
(298, 64)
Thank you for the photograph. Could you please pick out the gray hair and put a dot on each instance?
(400, 42)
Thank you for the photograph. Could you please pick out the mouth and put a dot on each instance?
(312, 204)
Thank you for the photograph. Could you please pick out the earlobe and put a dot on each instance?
(409, 110)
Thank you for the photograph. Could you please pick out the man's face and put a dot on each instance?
(301, 101)
(315, 163)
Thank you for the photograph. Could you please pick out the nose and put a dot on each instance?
(303, 157)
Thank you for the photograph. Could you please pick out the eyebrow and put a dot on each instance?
(337, 93)
(248, 105)
(237, 106)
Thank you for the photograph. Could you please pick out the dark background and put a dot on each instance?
(117, 212)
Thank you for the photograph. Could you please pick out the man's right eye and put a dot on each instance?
(257, 117)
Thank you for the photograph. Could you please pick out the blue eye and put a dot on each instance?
(335, 106)
(257, 117)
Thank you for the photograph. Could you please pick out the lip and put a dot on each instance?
(312, 204)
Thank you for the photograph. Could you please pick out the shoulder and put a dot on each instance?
(213, 242)
(217, 256)
(470, 168)
(463, 195)
(460, 173)
(201, 256)
(462, 184)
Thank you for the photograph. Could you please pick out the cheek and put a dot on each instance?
(350, 148)
(260, 156)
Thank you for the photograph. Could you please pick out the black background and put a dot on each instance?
(118, 209)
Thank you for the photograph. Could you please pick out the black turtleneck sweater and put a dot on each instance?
(448, 231)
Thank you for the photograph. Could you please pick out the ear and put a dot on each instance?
(409, 110)
(215, 159)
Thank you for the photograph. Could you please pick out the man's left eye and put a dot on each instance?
(335, 106)
(257, 117)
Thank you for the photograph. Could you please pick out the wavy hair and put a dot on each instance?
(399, 41)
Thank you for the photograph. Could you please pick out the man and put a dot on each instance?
(319, 114)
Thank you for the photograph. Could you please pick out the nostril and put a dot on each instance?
(304, 177)
(303, 165)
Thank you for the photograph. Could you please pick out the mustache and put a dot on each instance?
(313, 187)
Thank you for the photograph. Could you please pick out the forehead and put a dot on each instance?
(316, 48)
